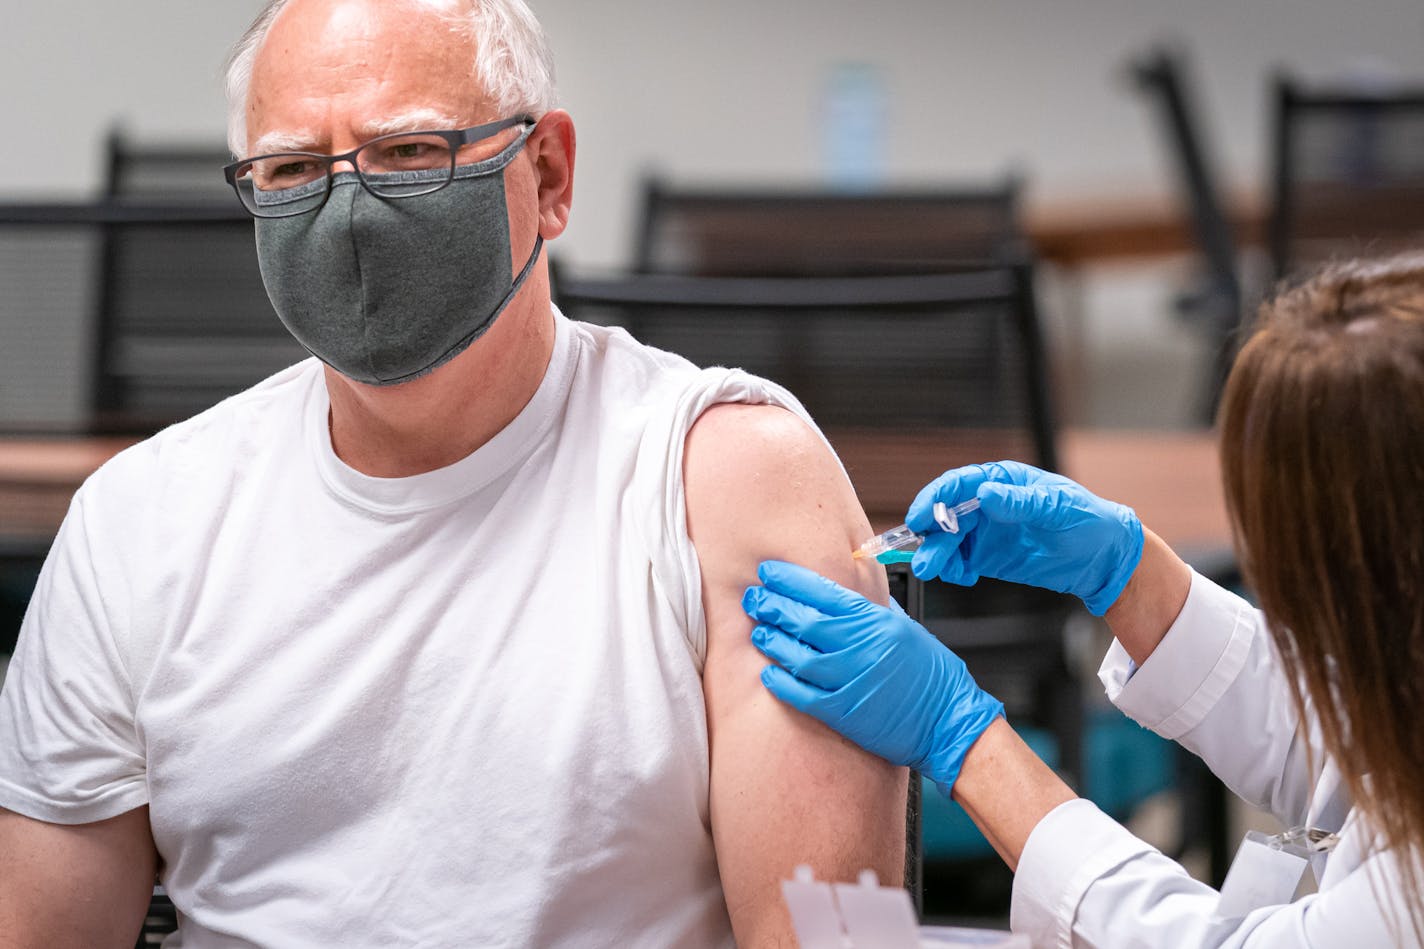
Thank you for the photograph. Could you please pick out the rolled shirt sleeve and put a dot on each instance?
(1214, 684)
(1202, 653)
(1067, 852)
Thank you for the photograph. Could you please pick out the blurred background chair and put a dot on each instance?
(808, 232)
(182, 318)
(160, 921)
(1348, 164)
(150, 171)
(1214, 306)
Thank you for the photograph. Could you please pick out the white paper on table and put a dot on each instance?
(866, 915)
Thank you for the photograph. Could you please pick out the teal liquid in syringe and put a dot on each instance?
(898, 544)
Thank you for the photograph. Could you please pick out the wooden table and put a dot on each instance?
(1170, 478)
(37, 479)
(1079, 231)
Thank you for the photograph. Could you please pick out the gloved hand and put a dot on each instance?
(868, 671)
(1032, 527)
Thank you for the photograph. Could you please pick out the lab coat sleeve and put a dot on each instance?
(1214, 684)
(1083, 880)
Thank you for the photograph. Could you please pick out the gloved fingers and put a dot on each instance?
(937, 549)
(958, 572)
(799, 695)
(810, 588)
(952, 487)
(1012, 472)
(773, 609)
(929, 560)
(784, 649)
(1013, 504)
(805, 661)
(1054, 503)
(945, 556)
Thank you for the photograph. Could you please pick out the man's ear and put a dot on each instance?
(552, 146)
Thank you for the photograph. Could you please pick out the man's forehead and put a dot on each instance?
(333, 69)
(365, 40)
(431, 20)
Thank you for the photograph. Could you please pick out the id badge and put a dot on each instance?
(1267, 869)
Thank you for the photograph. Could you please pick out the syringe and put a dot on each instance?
(898, 544)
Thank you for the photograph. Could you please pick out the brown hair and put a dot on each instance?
(1322, 452)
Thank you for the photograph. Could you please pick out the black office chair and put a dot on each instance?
(183, 320)
(152, 171)
(1349, 173)
(1216, 305)
(808, 232)
(20, 562)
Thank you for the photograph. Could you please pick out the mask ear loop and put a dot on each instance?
(476, 333)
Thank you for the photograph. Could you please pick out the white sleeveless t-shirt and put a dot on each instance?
(457, 709)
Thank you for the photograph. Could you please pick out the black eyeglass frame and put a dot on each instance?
(455, 138)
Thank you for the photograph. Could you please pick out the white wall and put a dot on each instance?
(732, 90)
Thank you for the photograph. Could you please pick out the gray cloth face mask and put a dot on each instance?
(383, 290)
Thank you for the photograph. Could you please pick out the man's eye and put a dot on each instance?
(408, 154)
(292, 169)
(286, 172)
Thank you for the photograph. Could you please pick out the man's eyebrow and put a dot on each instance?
(283, 141)
(305, 140)
(416, 120)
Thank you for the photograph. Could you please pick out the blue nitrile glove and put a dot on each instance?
(868, 671)
(1032, 527)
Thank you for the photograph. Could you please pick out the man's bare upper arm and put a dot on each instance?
(85, 886)
(785, 789)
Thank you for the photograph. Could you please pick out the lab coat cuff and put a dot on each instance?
(1204, 651)
(1073, 846)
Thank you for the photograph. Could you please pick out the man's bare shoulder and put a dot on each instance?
(763, 484)
(769, 472)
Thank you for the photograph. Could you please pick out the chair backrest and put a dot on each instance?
(1349, 172)
(1163, 75)
(818, 232)
(157, 171)
(183, 319)
(959, 356)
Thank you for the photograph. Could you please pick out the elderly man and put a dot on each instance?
(436, 640)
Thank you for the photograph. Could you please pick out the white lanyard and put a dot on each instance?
(1267, 870)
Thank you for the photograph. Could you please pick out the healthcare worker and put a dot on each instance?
(1310, 707)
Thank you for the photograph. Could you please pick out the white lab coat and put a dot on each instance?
(1214, 685)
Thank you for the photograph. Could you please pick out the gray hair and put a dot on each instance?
(513, 65)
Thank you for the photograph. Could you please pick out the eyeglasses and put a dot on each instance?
(401, 165)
